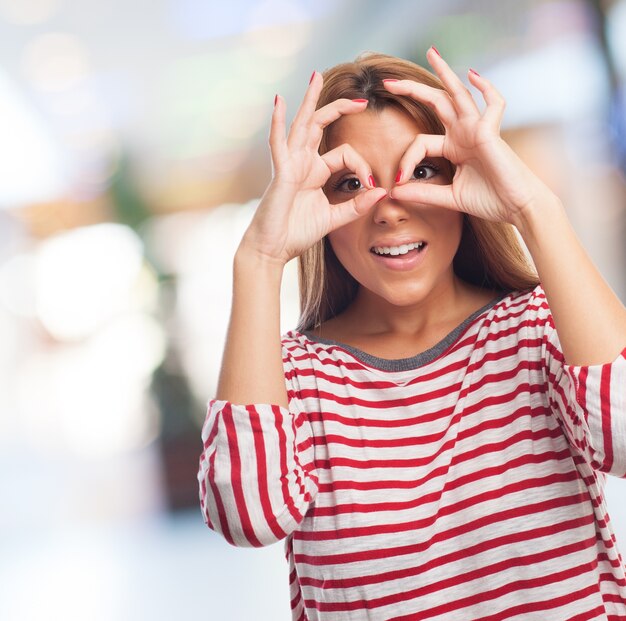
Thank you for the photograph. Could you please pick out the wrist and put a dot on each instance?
(250, 259)
(538, 216)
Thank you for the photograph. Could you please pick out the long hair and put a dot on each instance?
(489, 253)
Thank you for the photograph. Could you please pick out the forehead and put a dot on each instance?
(376, 129)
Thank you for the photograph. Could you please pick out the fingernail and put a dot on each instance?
(312, 76)
(436, 50)
(390, 80)
(474, 72)
(360, 100)
(372, 182)
(399, 175)
(275, 100)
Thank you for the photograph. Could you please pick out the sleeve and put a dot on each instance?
(589, 401)
(257, 476)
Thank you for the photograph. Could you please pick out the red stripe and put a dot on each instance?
(284, 468)
(605, 405)
(261, 461)
(320, 353)
(429, 393)
(412, 436)
(612, 579)
(209, 472)
(398, 527)
(326, 416)
(590, 614)
(221, 512)
(458, 604)
(458, 555)
(460, 482)
(550, 604)
(353, 420)
(470, 526)
(414, 483)
(581, 392)
(511, 587)
(236, 477)
(306, 468)
(412, 463)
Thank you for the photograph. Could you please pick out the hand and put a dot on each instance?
(491, 181)
(294, 212)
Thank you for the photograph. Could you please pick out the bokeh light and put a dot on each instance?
(84, 278)
(29, 12)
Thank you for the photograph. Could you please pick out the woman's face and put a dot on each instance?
(373, 248)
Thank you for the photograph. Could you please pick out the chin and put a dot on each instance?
(405, 295)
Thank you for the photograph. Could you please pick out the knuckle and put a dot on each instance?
(457, 89)
(497, 96)
(347, 149)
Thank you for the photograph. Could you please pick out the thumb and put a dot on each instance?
(343, 213)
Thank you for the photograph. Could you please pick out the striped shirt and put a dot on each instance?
(464, 483)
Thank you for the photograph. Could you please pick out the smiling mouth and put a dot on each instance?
(397, 251)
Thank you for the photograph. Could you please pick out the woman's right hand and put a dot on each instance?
(294, 212)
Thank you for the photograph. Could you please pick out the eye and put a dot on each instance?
(421, 171)
(351, 184)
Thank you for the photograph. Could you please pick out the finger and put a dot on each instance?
(436, 98)
(424, 145)
(345, 157)
(495, 101)
(299, 131)
(329, 113)
(463, 101)
(343, 213)
(430, 194)
(335, 109)
(277, 139)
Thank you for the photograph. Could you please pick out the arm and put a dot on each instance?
(256, 471)
(492, 182)
(587, 400)
(578, 296)
(583, 371)
(293, 214)
(252, 366)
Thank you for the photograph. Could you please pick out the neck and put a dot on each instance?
(375, 315)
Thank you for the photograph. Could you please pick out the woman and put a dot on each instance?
(432, 441)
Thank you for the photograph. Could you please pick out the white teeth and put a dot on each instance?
(397, 250)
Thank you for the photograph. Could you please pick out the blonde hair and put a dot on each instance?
(489, 254)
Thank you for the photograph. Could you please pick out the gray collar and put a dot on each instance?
(414, 362)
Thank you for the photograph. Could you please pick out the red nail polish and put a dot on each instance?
(390, 80)
(436, 50)
(399, 175)
(312, 76)
(360, 100)
(275, 99)
(371, 180)
(475, 72)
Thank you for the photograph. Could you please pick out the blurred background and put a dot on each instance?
(132, 154)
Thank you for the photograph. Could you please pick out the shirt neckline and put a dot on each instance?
(413, 362)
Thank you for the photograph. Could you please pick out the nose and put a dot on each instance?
(390, 212)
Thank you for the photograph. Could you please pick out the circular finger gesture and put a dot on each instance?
(294, 212)
(491, 181)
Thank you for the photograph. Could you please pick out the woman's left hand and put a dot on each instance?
(491, 181)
